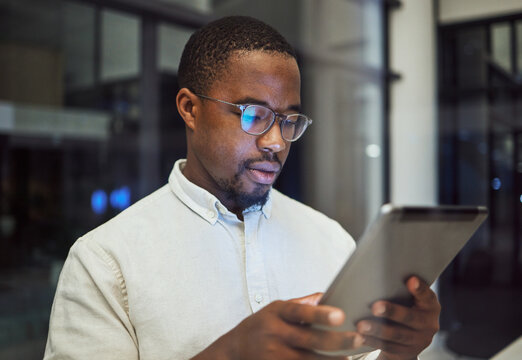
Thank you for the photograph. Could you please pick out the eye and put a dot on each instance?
(292, 120)
(250, 116)
(254, 113)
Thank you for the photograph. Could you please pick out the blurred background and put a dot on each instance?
(413, 101)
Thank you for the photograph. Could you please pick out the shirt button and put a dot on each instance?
(259, 298)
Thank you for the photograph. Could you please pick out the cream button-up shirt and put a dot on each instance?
(175, 271)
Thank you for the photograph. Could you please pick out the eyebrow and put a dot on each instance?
(254, 101)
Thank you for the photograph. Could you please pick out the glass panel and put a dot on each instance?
(502, 187)
(501, 45)
(479, 126)
(172, 40)
(72, 123)
(519, 46)
(470, 54)
(79, 23)
(518, 209)
(67, 142)
(31, 62)
(200, 5)
(120, 46)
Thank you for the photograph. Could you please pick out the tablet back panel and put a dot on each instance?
(401, 242)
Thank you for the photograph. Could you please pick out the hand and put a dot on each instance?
(281, 331)
(412, 329)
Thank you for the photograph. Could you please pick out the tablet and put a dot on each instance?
(402, 241)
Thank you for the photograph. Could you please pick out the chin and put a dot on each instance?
(257, 197)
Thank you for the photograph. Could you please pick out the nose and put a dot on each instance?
(272, 140)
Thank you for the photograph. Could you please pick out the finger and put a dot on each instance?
(387, 332)
(406, 316)
(314, 339)
(424, 297)
(310, 314)
(310, 299)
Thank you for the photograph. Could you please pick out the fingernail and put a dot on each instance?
(365, 327)
(335, 317)
(379, 309)
(416, 283)
(358, 341)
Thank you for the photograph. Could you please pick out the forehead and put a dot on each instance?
(269, 77)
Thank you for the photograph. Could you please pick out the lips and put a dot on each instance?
(263, 172)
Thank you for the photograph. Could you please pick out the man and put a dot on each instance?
(217, 264)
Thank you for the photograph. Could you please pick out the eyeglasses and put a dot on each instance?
(258, 119)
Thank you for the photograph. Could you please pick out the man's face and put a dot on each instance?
(239, 168)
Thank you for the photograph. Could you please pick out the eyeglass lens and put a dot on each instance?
(256, 119)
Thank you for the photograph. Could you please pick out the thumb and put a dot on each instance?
(309, 299)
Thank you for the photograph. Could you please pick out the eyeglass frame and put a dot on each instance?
(282, 117)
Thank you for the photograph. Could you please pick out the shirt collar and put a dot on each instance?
(201, 201)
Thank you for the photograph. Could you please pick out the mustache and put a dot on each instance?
(267, 156)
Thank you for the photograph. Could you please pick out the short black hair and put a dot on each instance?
(208, 49)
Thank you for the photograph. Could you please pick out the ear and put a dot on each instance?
(186, 102)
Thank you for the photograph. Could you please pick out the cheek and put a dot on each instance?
(234, 151)
(223, 150)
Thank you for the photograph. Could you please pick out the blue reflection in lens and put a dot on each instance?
(120, 198)
(496, 184)
(248, 118)
(99, 201)
(521, 198)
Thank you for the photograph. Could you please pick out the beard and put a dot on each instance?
(233, 187)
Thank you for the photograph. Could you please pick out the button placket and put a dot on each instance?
(255, 267)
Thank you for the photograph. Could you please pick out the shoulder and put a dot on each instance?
(307, 219)
(285, 206)
(142, 219)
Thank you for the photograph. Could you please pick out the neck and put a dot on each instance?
(202, 180)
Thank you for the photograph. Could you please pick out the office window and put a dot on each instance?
(78, 43)
(119, 45)
(480, 157)
(171, 44)
(88, 125)
(519, 46)
(501, 44)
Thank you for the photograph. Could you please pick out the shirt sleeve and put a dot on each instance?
(89, 317)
